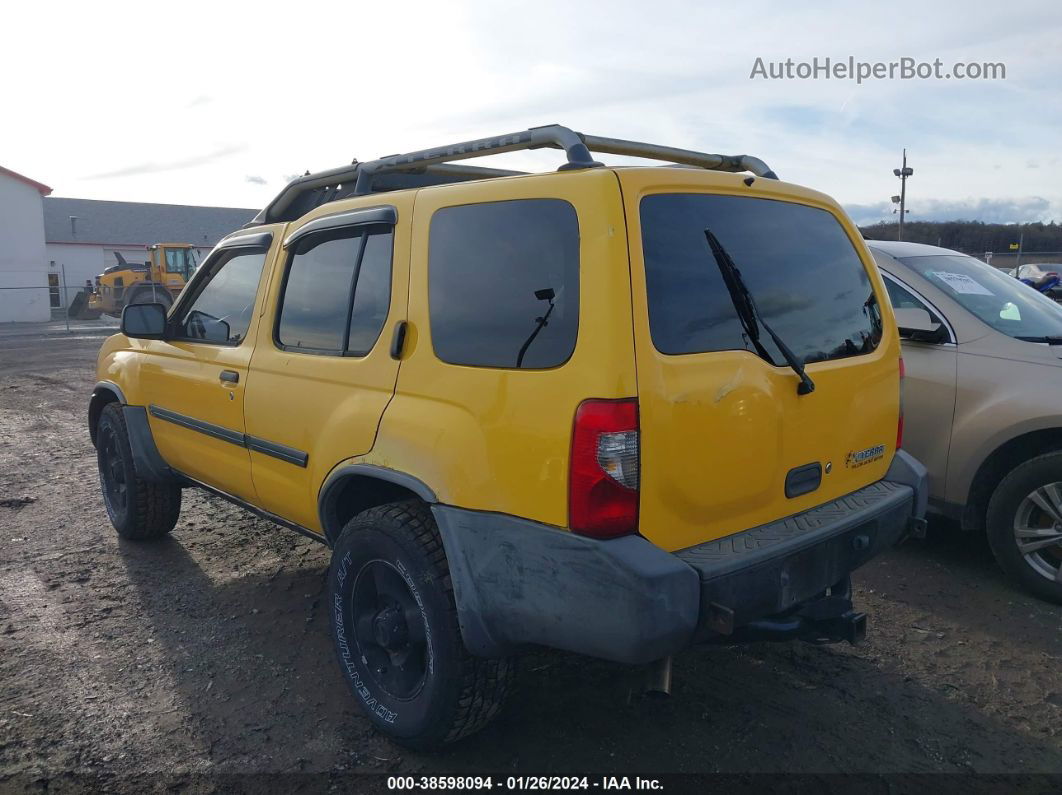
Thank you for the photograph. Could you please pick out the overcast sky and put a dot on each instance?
(208, 103)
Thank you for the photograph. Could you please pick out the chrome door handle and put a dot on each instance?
(230, 376)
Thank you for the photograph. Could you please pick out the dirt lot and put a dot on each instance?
(168, 664)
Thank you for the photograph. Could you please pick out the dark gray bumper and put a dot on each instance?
(518, 582)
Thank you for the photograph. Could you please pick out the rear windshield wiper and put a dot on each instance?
(1048, 340)
(749, 313)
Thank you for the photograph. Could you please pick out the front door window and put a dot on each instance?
(221, 312)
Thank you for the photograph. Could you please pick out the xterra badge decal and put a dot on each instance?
(858, 458)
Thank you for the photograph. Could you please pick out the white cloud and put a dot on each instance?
(997, 210)
(265, 89)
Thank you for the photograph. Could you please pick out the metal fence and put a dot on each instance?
(63, 301)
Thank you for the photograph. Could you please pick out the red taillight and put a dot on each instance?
(604, 474)
(899, 424)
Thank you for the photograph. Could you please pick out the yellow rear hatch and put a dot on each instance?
(724, 433)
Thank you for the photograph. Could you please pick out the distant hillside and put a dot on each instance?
(972, 237)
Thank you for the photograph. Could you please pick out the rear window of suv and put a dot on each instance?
(797, 262)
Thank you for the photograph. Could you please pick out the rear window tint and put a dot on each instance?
(797, 262)
(503, 283)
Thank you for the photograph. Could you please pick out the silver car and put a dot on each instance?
(983, 402)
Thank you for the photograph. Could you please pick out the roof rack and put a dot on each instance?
(434, 167)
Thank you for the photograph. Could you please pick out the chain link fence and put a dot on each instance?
(55, 301)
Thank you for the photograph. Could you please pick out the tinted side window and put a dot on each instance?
(316, 295)
(222, 310)
(797, 262)
(326, 273)
(372, 298)
(503, 283)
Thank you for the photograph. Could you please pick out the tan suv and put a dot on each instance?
(983, 363)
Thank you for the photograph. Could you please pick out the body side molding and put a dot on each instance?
(281, 451)
(264, 446)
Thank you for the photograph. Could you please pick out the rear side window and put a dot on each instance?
(337, 292)
(503, 283)
(797, 262)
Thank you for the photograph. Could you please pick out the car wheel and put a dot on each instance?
(138, 509)
(394, 627)
(1025, 525)
(145, 295)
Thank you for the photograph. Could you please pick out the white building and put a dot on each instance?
(51, 246)
(83, 235)
(24, 293)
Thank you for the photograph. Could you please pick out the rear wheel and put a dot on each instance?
(394, 625)
(1025, 525)
(137, 508)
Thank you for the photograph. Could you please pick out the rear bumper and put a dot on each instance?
(518, 582)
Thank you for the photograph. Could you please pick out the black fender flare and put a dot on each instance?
(103, 393)
(326, 500)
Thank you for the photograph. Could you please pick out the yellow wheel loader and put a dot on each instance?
(157, 281)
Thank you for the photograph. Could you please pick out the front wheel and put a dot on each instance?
(394, 626)
(138, 509)
(1025, 525)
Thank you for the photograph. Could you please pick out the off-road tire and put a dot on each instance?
(1002, 510)
(460, 693)
(144, 295)
(145, 510)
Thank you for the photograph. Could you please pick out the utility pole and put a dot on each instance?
(903, 173)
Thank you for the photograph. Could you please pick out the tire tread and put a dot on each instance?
(155, 507)
(485, 683)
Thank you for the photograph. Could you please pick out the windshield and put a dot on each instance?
(999, 300)
(180, 260)
(796, 261)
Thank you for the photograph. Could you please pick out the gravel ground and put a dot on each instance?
(205, 658)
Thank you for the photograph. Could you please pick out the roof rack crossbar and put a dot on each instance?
(275, 210)
(439, 162)
(552, 136)
(731, 163)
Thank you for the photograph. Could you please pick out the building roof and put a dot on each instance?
(44, 189)
(138, 223)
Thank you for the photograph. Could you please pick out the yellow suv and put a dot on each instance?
(617, 411)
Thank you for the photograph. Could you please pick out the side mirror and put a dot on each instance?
(144, 321)
(918, 325)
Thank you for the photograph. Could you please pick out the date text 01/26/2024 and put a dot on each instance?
(515, 783)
